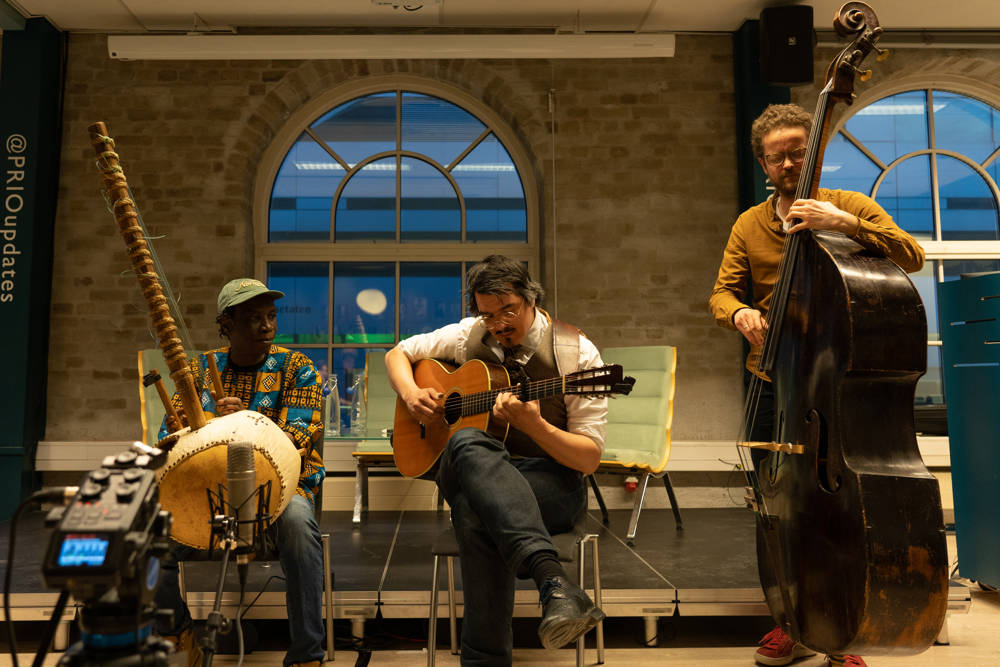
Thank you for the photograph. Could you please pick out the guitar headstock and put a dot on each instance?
(603, 381)
(857, 19)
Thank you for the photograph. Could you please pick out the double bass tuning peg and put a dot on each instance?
(881, 54)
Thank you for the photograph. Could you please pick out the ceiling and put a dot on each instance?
(145, 16)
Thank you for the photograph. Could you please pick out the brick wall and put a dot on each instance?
(636, 205)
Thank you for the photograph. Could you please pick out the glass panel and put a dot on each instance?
(925, 280)
(968, 208)
(965, 125)
(319, 356)
(348, 363)
(954, 269)
(436, 128)
(847, 168)
(303, 194)
(360, 128)
(364, 302)
(893, 126)
(906, 195)
(429, 205)
(303, 315)
(930, 389)
(430, 296)
(366, 210)
(494, 198)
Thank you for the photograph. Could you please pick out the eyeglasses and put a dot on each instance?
(796, 156)
(502, 319)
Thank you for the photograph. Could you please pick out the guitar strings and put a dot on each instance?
(470, 404)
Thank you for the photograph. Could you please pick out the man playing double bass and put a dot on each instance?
(750, 266)
(507, 499)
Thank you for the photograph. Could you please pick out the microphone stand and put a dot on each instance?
(225, 526)
(216, 622)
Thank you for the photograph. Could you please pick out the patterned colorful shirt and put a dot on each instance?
(284, 387)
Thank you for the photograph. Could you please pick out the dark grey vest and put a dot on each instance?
(557, 354)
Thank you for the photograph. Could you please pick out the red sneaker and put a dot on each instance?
(777, 648)
(846, 661)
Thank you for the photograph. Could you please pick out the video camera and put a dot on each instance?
(105, 550)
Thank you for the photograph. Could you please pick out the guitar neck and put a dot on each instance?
(482, 401)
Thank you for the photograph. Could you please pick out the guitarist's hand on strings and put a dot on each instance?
(423, 402)
(517, 413)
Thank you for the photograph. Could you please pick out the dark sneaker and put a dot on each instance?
(567, 613)
(777, 648)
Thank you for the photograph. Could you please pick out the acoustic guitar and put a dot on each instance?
(469, 393)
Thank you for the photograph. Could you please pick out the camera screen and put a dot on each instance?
(83, 550)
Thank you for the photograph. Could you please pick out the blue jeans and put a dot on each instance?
(503, 510)
(300, 550)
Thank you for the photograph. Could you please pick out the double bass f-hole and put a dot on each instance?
(827, 472)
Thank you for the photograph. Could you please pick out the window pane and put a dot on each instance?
(893, 126)
(925, 280)
(494, 197)
(906, 195)
(348, 363)
(302, 313)
(303, 194)
(436, 128)
(430, 296)
(968, 208)
(965, 125)
(364, 308)
(429, 204)
(366, 210)
(360, 128)
(930, 390)
(847, 168)
(954, 269)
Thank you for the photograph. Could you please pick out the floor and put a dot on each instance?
(384, 566)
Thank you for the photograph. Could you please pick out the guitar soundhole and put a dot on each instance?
(452, 409)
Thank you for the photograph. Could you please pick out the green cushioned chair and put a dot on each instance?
(151, 407)
(638, 436)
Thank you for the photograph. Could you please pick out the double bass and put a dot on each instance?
(850, 537)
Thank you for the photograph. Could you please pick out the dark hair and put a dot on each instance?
(774, 117)
(225, 316)
(498, 274)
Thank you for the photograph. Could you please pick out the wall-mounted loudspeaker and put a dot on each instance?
(786, 45)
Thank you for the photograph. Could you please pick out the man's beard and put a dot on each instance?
(787, 185)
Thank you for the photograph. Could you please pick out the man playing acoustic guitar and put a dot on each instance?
(508, 498)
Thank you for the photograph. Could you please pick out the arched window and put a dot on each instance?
(371, 204)
(931, 158)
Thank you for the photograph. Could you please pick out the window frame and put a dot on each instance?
(397, 251)
(933, 249)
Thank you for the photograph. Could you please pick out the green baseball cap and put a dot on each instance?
(243, 289)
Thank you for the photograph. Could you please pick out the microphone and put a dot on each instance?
(241, 482)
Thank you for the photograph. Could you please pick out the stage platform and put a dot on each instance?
(384, 564)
